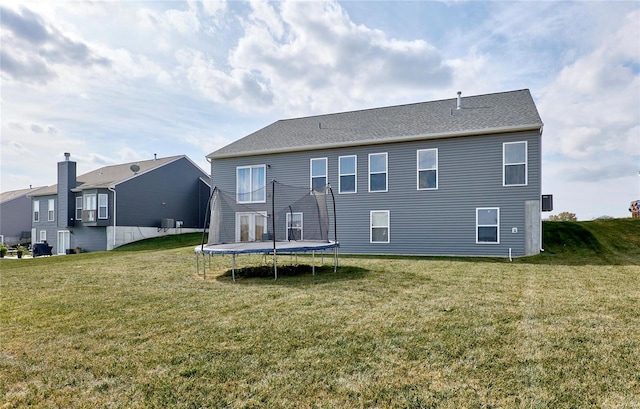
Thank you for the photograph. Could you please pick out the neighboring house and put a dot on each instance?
(15, 216)
(119, 204)
(460, 176)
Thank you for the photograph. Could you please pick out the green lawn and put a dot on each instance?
(139, 329)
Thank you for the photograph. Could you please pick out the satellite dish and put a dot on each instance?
(134, 168)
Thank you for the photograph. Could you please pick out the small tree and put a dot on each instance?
(563, 217)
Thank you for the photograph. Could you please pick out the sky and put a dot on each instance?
(118, 81)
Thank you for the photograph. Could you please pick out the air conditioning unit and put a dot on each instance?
(547, 203)
(168, 223)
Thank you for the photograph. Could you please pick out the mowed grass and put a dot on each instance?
(140, 329)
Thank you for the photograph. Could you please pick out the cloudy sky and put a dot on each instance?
(117, 81)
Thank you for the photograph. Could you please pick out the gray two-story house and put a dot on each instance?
(119, 204)
(460, 176)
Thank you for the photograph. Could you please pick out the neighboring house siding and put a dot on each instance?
(435, 222)
(44, 224)
(89, 238)
(169, 192)
(15, 219)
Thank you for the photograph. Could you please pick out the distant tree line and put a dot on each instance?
(563, 217)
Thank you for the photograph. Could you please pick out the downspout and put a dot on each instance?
(114, 215)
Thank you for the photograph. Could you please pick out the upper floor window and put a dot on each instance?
(51, 210)
(36, 210)
(347, 169)
(488, 225)
(251, 183)
(514, 158)
(103, 200)
(89, 208)
(78, 207)
(427, 169)
(318, 173)
(378, 172)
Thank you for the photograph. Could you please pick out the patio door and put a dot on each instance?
(64, 241)
(250, 226)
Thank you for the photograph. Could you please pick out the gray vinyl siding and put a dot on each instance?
(422, 222)
(89, 238)
(172, 191)
(15, 219)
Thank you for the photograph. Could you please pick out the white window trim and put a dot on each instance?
(51, 210)
(35, 211)
(488, 225)
(354, 174)
(418, 169)
(106, 206)
(43, 236)
(252, 226)
(79, 202)
(251, 167)
(525, 163)
(288, 222)
(371, 226)
(386, 172)
(311, 175)
(89, 205)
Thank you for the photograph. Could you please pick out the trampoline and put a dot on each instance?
(299, 226)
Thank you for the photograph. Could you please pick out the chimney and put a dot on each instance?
(65, 208)
(459, 103)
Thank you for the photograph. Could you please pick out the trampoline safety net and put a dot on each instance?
(276, 212)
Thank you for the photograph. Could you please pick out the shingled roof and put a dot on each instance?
(110, 176)
(480, 114)
(15, 194)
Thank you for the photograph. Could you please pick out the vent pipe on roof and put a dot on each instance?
(459, 103)
(155, 156)
(66, 156)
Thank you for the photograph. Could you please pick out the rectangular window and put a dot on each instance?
(78, 207)
(378, 172)
(294, 226)
(36, 210)
(347, 169)
(89, 208)
(51, 210)
(514, 158)
(250, 226)
(487, 225)
(251, 184)
(43, 236)
(103, 200)
(379, 222)
(318, 173)
(427, 169)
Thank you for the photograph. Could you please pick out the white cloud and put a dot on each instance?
(309, 57)
(591, 108)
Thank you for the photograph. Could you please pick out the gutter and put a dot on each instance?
(380, 141)
(112, 189)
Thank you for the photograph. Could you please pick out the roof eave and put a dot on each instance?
(408, 138)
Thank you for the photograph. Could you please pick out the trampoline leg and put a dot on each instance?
(275, 265)
(313, 262)
(335, 259)
(233, 267)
